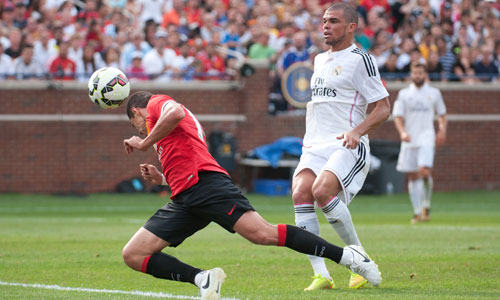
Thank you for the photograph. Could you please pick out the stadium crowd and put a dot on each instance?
(165, 40)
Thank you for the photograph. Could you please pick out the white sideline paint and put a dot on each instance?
(103, 291)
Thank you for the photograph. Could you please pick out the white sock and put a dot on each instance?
(428, 185)
(347, 258)
(339, 217)
(306, 218)
(198, 277)
(416, 189)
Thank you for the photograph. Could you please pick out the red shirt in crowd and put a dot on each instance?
(63, 68)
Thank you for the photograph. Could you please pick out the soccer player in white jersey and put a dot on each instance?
(414, 112)
(335, 158)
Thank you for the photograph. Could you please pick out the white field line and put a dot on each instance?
(103, 291)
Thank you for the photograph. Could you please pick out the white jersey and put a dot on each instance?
(418, 106)
(343, 84)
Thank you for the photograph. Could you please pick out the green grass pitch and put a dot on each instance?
(76, 242)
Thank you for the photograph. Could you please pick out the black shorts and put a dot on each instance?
(214, 198)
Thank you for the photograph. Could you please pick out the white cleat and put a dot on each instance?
(211, 284)
(361, 264)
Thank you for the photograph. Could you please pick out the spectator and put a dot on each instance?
(461, 24)
(45, 49)
(231, 38)
(57, 31)
(62, 67)
(497, 52)
(133, 8)
(379, 55)
(25, 67)
(136, 44)
(173, 41)
(318, 45)
(151, 10)
(193, 14)
(261, 49)
(360, 36)
(120, 4)
(7, 15)
(446, 30)
(466, 23)
(297, 53)
(212, 64)
(66, 17)
(446, 57)
(404, 53)
(462, 69)
(5, 64)
(149, 32)
(183, 63)
(20, 20)
(112, 27)
(94, 34)
(112, 57)
(434, 68)
(485, 67)
(135, 71)
(75, 51)
(427, 45)
(209, 27)
(16, 40)
(415, 57)
(88, 63)
(157, 62)
(384, 40)
(90, 13)
(389, 70)
(286, 34)
(31, 30)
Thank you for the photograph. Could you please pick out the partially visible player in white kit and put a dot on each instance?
(414, 112)
(336, 153)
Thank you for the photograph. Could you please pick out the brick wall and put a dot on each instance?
(64, 155)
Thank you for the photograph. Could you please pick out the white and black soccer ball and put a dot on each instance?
(108, 87)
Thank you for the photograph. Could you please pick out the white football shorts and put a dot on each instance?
(412, 158)
(349, 165)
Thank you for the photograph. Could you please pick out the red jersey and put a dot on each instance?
(63, 68)
(183, 153)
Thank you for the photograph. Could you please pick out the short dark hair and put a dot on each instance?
(350, 13)
(418, 65)
(139, 100)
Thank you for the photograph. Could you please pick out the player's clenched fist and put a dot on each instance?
(132, 143)
(151, 174)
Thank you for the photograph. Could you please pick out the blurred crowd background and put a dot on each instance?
(167, 40)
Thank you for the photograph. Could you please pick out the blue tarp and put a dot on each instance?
(273, 152)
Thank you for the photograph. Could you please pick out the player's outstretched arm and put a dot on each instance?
(170, 117)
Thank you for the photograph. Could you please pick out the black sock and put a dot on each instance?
(308, 243)
(164, 266)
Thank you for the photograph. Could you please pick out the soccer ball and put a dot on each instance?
(108, 87)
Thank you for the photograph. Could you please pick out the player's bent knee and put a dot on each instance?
(132, 259)
(302, 197)
(322, 195)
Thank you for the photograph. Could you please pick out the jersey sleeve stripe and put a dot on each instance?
(370, 68)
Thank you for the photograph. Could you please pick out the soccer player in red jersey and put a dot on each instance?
(203, 192)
